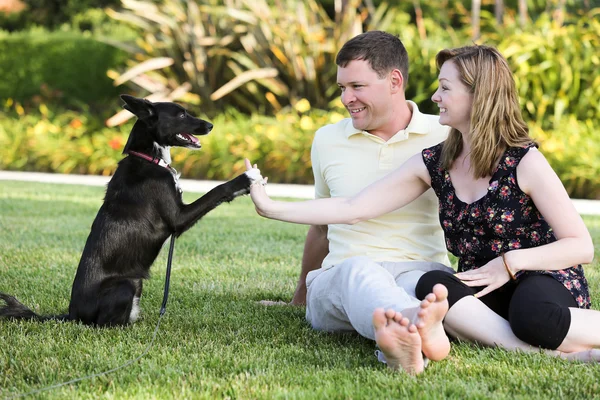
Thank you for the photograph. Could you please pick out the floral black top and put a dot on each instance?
(504, 219)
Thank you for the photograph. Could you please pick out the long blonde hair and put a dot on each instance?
(496, 121)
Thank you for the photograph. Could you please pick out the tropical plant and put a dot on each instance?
(248, 54)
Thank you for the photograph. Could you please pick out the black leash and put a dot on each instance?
(163, 309)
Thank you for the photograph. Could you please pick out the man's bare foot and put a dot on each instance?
(433, 309)
(398, 340)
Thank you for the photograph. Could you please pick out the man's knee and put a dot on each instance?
(356, 262)
(429, 280)
(456, 288)
(357, 269)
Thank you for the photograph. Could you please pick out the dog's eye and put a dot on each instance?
(182, 115)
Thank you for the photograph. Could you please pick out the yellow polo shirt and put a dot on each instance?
(346, 160)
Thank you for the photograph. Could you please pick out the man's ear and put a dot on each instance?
(141, 108)
(397, 80)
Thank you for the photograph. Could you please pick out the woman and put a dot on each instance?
(505, 214)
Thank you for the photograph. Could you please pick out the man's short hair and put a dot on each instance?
(383, 51)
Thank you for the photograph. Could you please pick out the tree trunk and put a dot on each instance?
(522, 13)
(475, 9)
(340, 7)
(499, 11)
(559, 12)
(419, 19)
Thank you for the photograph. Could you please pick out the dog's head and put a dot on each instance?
(170, 123)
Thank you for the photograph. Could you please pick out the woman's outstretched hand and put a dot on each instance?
(257, 189)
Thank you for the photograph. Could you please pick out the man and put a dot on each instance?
(369, 270)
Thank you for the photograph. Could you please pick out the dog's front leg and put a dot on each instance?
(226, 192)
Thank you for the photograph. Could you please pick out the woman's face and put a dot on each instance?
(454, 99)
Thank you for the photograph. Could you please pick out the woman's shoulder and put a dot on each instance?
(433, 151)
(432, 157)
(533, 164)
(520, 151)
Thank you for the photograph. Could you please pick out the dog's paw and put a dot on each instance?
(255, 176)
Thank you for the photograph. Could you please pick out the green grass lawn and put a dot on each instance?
(215, 341)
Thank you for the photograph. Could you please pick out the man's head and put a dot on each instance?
(372, 70)
(383, 51)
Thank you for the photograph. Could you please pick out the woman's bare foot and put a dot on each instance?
(586, 356)
(433, 309)
(269, 303)
(398, 340)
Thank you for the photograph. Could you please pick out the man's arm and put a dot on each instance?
(316, 248)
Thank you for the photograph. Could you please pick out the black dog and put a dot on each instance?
(141, 209)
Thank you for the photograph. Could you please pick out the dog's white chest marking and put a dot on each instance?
(176, 176)
(135, 310)
(164, 161)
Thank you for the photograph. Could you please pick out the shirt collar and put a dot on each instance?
(418, 124)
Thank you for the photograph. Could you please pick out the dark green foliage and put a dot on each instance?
(51, 13)
(67, 67)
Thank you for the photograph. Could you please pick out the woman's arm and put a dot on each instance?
(393, 191)
(574, 244)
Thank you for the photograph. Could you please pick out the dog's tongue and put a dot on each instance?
(191, 138)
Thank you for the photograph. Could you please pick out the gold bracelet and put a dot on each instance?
(512, 276)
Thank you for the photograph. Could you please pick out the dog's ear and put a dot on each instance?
(141, 108)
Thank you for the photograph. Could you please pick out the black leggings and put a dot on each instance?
(537, 307)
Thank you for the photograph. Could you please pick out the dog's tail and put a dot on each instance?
(14, 309)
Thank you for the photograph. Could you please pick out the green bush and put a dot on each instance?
(65, 141)
(69, 65)
(95, 21)
(573, 150)
(422, 48)
(555, 64)
(60, 140)
(69, 142)
(555, 67)
(280, 144)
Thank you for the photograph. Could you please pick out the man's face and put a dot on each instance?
(366, 96)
